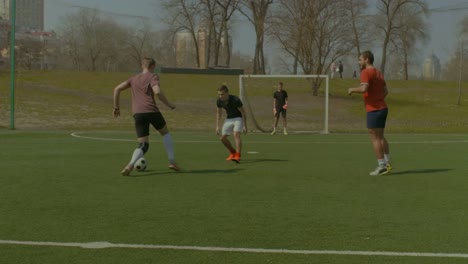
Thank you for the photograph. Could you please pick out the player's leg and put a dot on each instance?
(159, 123)
(285, 123)
(384, 142)
(238, 127)
(142, 131)
(275, 120)
(376, 135)
(228, 128)
(376, 126)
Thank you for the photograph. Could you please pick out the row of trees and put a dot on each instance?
(310, 34)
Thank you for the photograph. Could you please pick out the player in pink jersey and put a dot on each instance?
(374, 90)
(144, 86)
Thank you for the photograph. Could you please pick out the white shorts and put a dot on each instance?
(232, 124)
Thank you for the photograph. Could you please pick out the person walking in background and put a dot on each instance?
(340, 69)
(144, 86)
(332, 70)
(234, 123)
(280, 106)
(374, 90)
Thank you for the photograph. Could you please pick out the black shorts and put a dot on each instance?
(280, 111)
(143, 120)
(377, 119)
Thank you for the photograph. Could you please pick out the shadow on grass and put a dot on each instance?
(424, 171)
(262, 160)
(204, 171)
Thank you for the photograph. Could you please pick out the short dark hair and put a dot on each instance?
(148, 62)
(223, 88)
(280, 83)
(368, 55)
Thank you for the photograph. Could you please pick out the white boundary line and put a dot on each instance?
(100, 245)
(79, 135)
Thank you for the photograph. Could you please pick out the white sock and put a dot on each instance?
(137, 153)
(167, 140)
(387, 158)
(382, 163)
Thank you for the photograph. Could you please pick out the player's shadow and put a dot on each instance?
(202, 171)
(423, 171)
(250, 160)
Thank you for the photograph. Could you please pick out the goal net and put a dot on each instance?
(307, 111)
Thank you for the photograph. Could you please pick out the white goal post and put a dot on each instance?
(243, 91)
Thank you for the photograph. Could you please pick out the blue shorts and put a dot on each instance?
(377, 118)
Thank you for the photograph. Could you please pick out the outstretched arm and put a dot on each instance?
(244, 118)
(119, 88)
(157, 91)
(219, 112)
(360, 89)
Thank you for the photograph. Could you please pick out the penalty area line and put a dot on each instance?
(101, 245)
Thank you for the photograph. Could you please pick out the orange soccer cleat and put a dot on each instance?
(231, 156)
(236, 157)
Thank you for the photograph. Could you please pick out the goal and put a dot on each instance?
(307, 111)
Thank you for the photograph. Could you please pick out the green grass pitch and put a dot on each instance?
(296, 192)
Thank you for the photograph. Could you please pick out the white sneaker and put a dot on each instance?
(379, 171)
(273, 132)
(285, 132)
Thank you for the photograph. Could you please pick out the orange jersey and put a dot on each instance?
(374, 98)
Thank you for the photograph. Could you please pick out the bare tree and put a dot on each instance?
(139, 42)
(256, 12)
(314, 33)
(89, 38)
(212, 16)
(413, 30)
(28, 52)
(185, 15)
(228, 7)
(387, 20)
(359, 20)
(71, 40)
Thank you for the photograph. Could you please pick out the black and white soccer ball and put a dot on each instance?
(140, 164)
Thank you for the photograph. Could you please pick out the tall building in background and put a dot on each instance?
(186, 50)
(29, 14)
(432, 69)
(5, 9)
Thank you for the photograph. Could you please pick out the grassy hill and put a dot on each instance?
(83, 100)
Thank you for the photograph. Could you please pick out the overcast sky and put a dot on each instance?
(443, 25)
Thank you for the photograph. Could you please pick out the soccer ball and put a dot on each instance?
(140, 164)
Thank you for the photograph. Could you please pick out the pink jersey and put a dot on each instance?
(142, 92)
(374, 98)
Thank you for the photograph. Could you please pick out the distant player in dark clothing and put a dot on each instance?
(340, 69)
(234, 123)
(144, 87)
(280, 105)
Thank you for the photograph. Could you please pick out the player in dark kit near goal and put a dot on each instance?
(280, 106)
(234, 123)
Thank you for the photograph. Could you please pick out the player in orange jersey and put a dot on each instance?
(374, 90)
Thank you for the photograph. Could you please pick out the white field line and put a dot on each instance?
(98, 245)
(79, 135)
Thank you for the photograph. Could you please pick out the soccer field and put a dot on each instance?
(302, 198)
